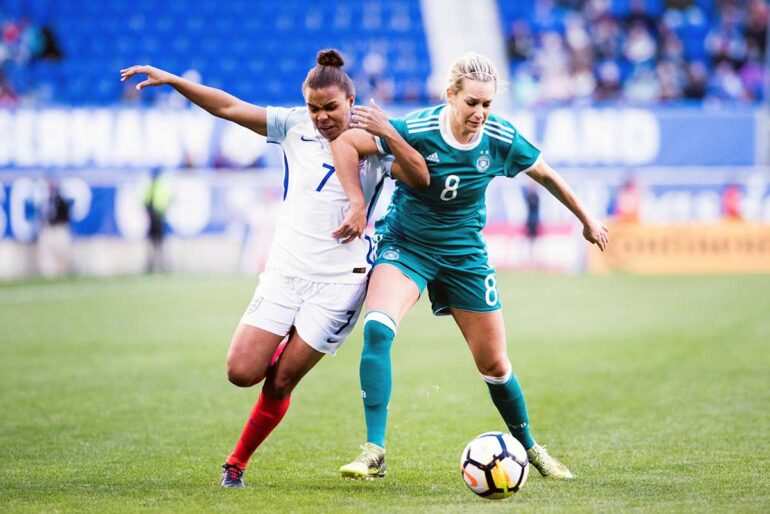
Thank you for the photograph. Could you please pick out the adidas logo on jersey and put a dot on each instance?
(432, 157)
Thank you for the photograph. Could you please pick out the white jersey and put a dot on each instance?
(314, 204)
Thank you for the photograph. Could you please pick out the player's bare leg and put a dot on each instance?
(485, 334)
(391, 291)
(296, 360)
(251, 351)
(282, 377)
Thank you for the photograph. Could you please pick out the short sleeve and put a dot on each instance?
(522, 156)
(400, 125)
(386, 163)
(280, 120)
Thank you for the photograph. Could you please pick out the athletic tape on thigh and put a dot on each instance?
(380, 317)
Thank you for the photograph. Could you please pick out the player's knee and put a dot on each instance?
(239, 375)
(498, 368)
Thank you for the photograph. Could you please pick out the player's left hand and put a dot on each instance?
(597, 233)
(372, 119)
(155, 76)
(352, 226)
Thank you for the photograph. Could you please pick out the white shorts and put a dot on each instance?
(323, 314)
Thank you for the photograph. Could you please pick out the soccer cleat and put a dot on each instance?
(232, 475)
(370, 464)
(547, 465)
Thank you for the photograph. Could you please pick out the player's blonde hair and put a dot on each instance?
(471, 66)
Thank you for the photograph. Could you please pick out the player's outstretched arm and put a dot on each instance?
(593, 230)
(410, 167)
(215, 101)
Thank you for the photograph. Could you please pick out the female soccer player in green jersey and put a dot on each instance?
(432, 238)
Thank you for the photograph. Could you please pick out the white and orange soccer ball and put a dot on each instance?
(494, 465)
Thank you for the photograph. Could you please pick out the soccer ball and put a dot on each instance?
(494, 465)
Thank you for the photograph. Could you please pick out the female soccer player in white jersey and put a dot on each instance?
(313, 286)
(432, 237)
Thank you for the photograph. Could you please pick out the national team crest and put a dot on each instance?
(482, 163)
(390, 254)
(254, 305)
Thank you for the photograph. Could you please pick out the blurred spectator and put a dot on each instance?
(639, 47)
(731, 203)
(606, 37)
(757, 17)
(639, 17)
(373, 81)
(725, 84)
(156, 202)
(49, 46)
(8, 97)
(524, 87)
(54, 243)
(752, 74)
(629, 202)
(22, 44)
(697, 81)
(520, 42)
(583, 82)
(532, 225)
(608, 85)
(725, 42)
(643, 86)
(552, 65)
(671, 48)
(670, 80)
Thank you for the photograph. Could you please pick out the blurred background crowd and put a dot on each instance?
(655, 110)
(560, 51)
(641, 52)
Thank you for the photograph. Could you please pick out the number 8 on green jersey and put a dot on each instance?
(435, 233)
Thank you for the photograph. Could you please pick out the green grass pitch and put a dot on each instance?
(656, 392)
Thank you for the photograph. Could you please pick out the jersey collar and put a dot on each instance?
(449, 138)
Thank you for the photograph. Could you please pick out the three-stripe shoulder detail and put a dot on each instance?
(424, 119)
(425, 124)
(500, 127)
(499, 131)
(423, 129)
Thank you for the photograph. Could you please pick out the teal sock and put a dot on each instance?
(375, 374)
(508, 397)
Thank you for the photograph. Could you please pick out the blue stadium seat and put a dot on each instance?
(261, 49)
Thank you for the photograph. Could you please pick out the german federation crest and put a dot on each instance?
(482, 163)
(390, 254)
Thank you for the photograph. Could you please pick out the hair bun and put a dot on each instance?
(330, 57)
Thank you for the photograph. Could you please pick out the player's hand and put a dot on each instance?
(155, 76)
(372, 119)
(353, 225)
(596, 233)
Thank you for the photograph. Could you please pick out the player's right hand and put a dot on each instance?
(372, 119)
(352, 226)
(597, 233)
(155, 76)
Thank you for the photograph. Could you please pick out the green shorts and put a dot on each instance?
(465, 282)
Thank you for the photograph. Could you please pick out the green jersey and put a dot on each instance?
(447, 216)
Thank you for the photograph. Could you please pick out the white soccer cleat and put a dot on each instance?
(368, 465)
(547, 465)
